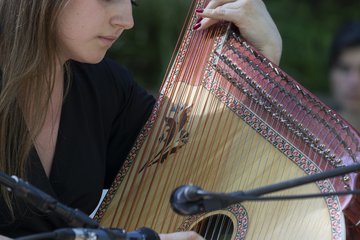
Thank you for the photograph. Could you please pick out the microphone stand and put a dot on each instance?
(95, 234)
(46, 203)
(190, 200)
(85, 227)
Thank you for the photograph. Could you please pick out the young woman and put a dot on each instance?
(68, 117)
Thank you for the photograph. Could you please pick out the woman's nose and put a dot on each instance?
(121, 14)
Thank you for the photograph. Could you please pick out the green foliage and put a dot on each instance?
(146, 50)
(306, 26)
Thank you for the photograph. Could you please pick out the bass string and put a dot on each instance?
(135, 204)
(196, 94)
(190, 151)
(182, 94)
(288, 133)
(290, 93)
(177, 97)
(205, 138)
(157, 135)
(189, 70)
(260, 151)
(255, 106)
(209, 223)
(288, 136)
(217, 148)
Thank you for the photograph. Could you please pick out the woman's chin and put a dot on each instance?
(94, 59)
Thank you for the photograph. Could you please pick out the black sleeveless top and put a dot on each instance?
(101, 116)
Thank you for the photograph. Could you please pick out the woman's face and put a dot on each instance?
(345, 80)
(88, 28)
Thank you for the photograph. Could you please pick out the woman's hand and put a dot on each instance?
(252, 19)
(181, 236)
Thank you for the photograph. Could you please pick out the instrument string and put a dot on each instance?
(201, 64)
(152, 152)
(196, 95)
(215, 107)
(221, 131)
(208, 231)
(285, 99)
(207, 140)
(195, 153)
(190, 71)
(217, 124)
(290, 135)
(247, 138)
(215, 227)
(235, 145)
(140, 166)
(222, 225)
(159, 158)
(262, 208)
(243, 155)
(228, 229)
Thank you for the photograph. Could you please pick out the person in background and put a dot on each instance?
(344, 72)
(344, 75)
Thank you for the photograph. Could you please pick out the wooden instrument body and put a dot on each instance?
(227, 119)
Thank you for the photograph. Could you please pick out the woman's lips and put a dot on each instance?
(107, 40)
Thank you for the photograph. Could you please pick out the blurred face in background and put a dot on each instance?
(345, 80)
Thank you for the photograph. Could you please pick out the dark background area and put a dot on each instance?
(306, 26)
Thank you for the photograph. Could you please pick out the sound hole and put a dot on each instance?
(215, 227)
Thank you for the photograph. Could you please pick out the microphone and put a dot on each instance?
(106, 234)
(97, 233)
(189, 200)
(46, 203)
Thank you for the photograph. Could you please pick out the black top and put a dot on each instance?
(100, 119)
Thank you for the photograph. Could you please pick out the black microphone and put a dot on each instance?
(189, 199)
(106, 234)
(98, 234)
(46, 203)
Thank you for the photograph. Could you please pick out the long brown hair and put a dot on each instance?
(28, 56)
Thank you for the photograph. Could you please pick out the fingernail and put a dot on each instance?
(197, 26)
(199, 10)
(199, 20)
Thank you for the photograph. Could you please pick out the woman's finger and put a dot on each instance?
(227, 12)
(205, 23)
(215, 3)
(252, 19)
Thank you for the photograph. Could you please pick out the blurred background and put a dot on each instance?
(306, 26)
